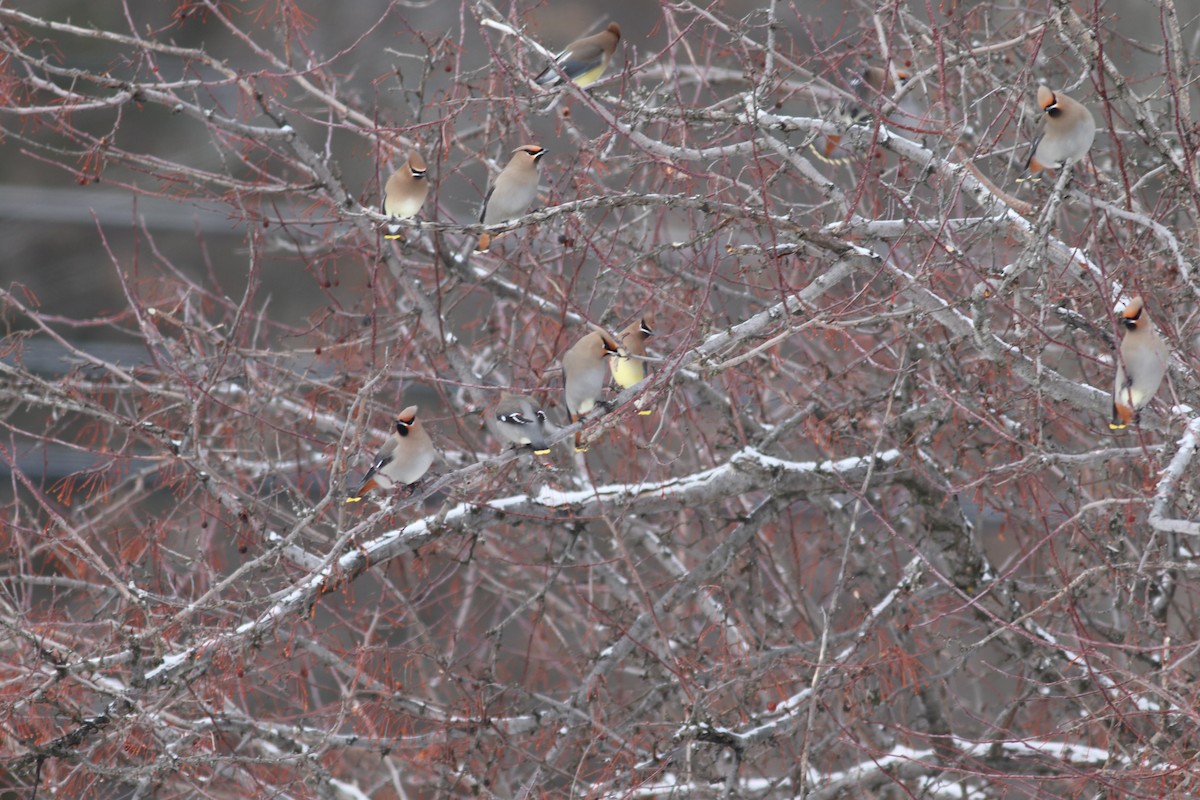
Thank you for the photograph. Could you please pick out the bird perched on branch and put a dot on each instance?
(584, 60)
(627, 371)
(1141, 366)
(514, 189)
(405, 192)
(873, 88)
(1064, 133)
(404, 459)
(584, 376)
(520, 420)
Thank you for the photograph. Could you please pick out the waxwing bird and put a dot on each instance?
(1141, 367)
(584, 376)
(405, 457)
(873, 88)
(632, 371)
(1064, 133)
(514, 189)
(520, 420)
(405, 192)
(584, 60)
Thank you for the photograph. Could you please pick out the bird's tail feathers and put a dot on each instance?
(367, 486)
(1122, 415)
(831, 144)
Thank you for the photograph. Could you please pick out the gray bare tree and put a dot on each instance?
(875, 539)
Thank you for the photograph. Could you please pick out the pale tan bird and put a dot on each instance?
(1141, 367)
(584, 60)
(518, 419)
(514, 189)
(874, 89)
(1064, 133)
(584, 376)
(405, 192)
(405, 457)
(632, 371)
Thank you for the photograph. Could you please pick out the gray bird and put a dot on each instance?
(405, 192)
(629, 372)
(874, 88)
(520, 420)
(1064, 133)
(514, 189)
(1141, 367)
(405, 457)
(584, 376)
(584, 60)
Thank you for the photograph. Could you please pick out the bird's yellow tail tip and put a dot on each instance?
(837, 162)
(353, 499)
(1115, 427)
(645, 412)
(541, 452)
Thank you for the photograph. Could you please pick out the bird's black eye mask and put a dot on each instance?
(1132, 322)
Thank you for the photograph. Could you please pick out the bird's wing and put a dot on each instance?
(573, 62)
(566, 397)
(486, 199)
(382, 459)
(1038, 132)
(581, 60)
